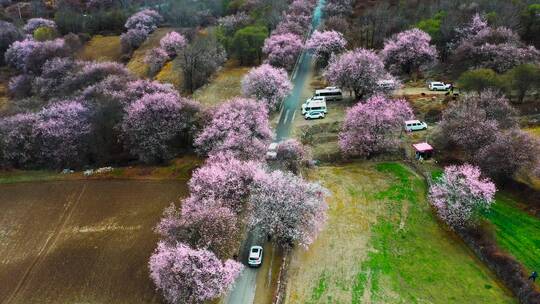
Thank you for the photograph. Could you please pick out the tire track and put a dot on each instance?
(49, 243)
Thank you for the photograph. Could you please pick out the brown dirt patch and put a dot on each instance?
(80, 241)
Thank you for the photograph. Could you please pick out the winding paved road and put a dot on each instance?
(245, 287)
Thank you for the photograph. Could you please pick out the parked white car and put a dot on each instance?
(271, 153)
(314, 115)
(315, 103)
(255, 256)
(439, 86)
(415, 125)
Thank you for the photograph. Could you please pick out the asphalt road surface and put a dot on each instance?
(299, 79)
(245, 286)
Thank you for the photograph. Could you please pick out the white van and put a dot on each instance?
(330, 93)
(316, 103)
(415, 125)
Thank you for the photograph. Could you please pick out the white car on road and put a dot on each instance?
(255, 256)
(439, 86)
(314, 115)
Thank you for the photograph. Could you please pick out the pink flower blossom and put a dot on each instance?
(190, 276)
(156, 123)
(267, 84)
(374, 126)
(359, 70)
(239, 127)
(460, 195)
(409, 52)
(283, 49)
(325, 44)
(173, 43)
(288, 209)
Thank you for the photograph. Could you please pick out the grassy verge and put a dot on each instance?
(178, 169)
(101, 48)
(382, 244)
(516, 231)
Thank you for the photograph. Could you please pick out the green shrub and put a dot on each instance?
(523, 79)
(432, 26)
(248, 42)
(479, 80)
(45, 33)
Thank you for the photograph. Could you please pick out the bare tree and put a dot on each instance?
(200, 60)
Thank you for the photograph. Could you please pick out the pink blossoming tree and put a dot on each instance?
(132, 39)
(359, 70)
(136, 89)
(509, 152)
(283, 49)
(460, 195)
(325, 44)
(239, 127)
(409, 52)
(268, 84)
(374, 126)
(17, 142)
(156, 59)
(35, 23)
(226, 179)
(8, 34)
(173, 43)
(203, 224)
(292, 154)
(62, 131)
(146, 20)
(499, 49)
(154, 124)
(474, 121)
(190, 276)
(288, 209)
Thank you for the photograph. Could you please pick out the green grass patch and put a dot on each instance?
(516, 231)
(179, 169)
(416, 257)
(383, 244)
(321, 287)
(28, 176)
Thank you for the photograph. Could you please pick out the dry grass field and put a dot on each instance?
(101, 48)
(171, 73)
(226, 84)
(80, 241)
